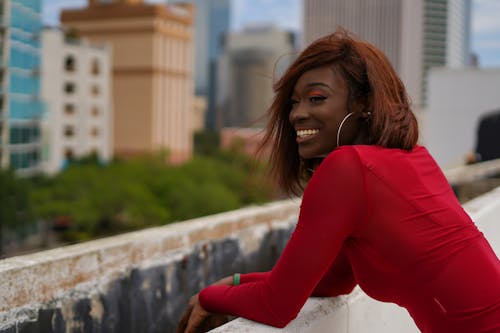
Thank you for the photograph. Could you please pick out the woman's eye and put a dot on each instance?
(294, 102)
(316, 99)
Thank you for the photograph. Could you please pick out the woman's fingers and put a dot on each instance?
(195, 321)
(198, 315)
(217, 320)
(181, 327)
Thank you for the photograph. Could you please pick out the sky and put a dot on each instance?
(287, 14)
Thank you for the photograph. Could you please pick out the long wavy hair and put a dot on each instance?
(371, 80)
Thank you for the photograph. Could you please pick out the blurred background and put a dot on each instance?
(117, 115)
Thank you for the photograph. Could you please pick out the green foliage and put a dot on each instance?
(15, 208)
(206, 143)
(99, 200)
(127, 195)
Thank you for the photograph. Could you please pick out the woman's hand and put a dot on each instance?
(228, 280)
(197, 320)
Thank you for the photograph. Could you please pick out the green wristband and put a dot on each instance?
(236, 279)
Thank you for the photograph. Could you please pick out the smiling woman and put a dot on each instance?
(319, 102)
(376, 209)
(351, 83)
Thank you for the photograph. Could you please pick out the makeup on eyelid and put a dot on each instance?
(316, 93)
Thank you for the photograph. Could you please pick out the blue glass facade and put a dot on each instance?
(212, 24)
(21, 102)
(218, 26)
(219, 21)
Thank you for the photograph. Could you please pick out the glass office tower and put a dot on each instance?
(21, 108)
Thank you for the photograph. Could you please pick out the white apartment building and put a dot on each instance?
(416, 35)
(76, 85)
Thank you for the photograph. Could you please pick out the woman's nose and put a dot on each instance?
(297, 113)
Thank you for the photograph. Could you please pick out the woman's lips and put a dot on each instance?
(305, 134)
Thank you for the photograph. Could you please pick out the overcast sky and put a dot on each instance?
(287, 13)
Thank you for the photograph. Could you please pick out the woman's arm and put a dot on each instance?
(334, 204)
(338, 280)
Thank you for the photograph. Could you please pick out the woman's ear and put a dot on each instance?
(366, 115)
(359, 108)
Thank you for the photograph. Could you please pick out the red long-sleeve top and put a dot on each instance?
(385, 219)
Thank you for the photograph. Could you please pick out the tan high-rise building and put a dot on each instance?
(153, 90)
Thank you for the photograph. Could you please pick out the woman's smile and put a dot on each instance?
(306, 134)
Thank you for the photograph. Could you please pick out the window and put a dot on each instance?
(95, 132)
(22, 135)
(69, 109)
(68, 153)
(95, 111)
(69, 63)
(15, 135)
(95, 90)
(69, 131)
(69, 88)
(96, 68)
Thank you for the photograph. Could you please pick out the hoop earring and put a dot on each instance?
(340, 126)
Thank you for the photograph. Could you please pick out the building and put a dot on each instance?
(458, 98)
(152, 72)
(416, 35)
(211, 25)
(253, 58)
(199, 113)
(212, 22)
(76, 84)
(21, 108)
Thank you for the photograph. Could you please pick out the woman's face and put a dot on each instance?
(319, 103)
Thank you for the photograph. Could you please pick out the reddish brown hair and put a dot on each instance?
(371, 80)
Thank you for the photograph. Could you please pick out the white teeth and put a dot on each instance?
(306, 132)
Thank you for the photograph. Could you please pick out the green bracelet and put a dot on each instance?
(236, 279)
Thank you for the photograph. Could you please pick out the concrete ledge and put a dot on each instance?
(469, 173)
(357, 312)
(485, 211)
(44, 276)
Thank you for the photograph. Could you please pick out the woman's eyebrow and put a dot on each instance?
(312, 85)
(315, 84)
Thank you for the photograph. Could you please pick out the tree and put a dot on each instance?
(15, 206)
(97, 200)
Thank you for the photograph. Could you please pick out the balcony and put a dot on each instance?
(141, 281)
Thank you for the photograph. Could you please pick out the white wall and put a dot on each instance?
(456, 100)
(54, 51)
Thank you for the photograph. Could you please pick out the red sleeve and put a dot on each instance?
(333, 205)
(338, 280)
(253, 277)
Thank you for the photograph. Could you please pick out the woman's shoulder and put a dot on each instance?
(377, 151)
(371, 155)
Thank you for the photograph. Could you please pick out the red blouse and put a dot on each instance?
(385, 219)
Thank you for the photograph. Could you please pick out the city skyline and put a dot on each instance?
(485, 33)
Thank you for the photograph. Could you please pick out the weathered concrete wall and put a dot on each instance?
(138, 282)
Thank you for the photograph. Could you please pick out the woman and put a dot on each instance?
(377, 210)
